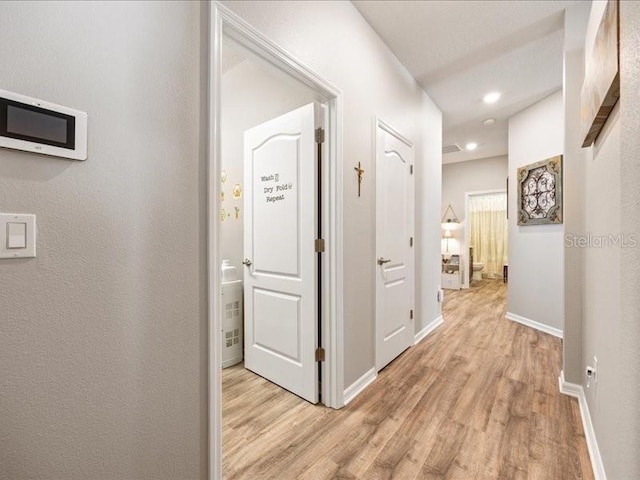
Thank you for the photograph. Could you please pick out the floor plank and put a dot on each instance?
(477, 399)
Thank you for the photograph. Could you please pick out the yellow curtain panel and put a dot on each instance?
(488, 222)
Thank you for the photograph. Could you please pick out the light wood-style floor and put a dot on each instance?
(477, 399)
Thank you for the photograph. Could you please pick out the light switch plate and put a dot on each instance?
(11, 227)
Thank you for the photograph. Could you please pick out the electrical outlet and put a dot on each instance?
(592, 372)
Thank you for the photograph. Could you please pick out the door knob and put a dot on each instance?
(382, 261)
(246, 262)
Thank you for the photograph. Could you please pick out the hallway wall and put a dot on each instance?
(472, 176)
(603, 300)
(334, 40)
(103, 335)
(536, 253)
(625, 407)
(576, 19)
(609, 299)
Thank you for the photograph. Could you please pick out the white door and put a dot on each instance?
(394, 244)
(281, 319)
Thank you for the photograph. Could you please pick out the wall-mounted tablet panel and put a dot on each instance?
(38, 126)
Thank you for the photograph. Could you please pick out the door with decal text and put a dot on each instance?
(280, 273)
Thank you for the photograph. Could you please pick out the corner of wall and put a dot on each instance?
(574, 160)
(536, 253)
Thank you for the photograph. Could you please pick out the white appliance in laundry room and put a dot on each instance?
(232, 316)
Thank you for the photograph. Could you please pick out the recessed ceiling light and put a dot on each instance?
(491, 97)
(471, 146)
(489, 122)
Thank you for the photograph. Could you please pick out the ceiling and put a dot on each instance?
(460, 50)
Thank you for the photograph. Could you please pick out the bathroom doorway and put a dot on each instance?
(486, 236)
(254, 84)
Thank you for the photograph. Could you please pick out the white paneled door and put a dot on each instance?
(281, 268)
(394, 244)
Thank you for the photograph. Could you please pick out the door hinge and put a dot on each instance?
(319, 245)
(411, 169)
(320, 354)
(411, 241)
(320, 135)
(411, 314)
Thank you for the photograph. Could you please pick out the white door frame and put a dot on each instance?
(464, 248)
(223, 22)
(379, 124)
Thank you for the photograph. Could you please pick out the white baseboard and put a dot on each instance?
(422, 334)
(575, 390)
(359, 385)
(533, 324)
(231, 362)
(369, 377)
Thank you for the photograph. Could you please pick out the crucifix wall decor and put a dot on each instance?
(360, 171)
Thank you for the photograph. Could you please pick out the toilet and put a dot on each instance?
(477, 270)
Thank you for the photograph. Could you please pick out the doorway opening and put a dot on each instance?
(486, 236)
(254, 85)
(269, 221)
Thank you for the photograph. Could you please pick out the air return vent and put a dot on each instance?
(451, 149)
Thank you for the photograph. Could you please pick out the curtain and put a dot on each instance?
(488, 223)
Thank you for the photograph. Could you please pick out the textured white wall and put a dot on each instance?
(601, 328)
(102, 372)
(536, 253)
(574, 162)
(334, 40)
(576, 18)
(476, 175)
(252, 93)
(603, 303)
(611, 273)
(624, 408)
